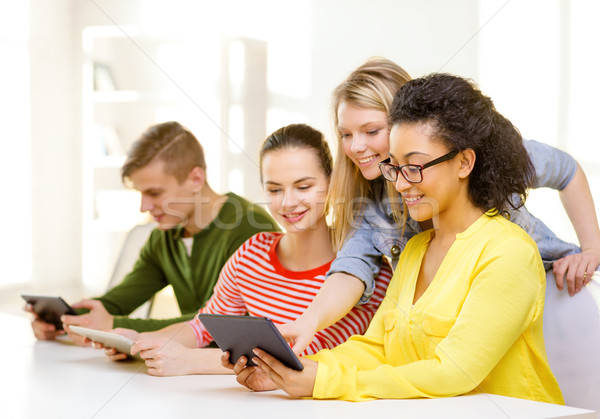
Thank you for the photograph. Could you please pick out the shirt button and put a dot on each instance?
(395, 250)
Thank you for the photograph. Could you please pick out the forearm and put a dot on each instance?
(208, 361)
(338, 295)
(138, 286)
(179, 332)
(148, 325)
(577, 200)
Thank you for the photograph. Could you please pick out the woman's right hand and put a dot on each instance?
(338, 295)
(112, 353)
(298, 333)
(250, 377)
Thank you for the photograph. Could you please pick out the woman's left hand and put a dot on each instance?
(295, 383)
(249, 376)
(165, 357)
(576, 269)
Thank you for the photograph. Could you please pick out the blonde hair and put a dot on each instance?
(372, 86)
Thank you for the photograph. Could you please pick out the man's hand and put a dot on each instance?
(98, 318)
(41, 329)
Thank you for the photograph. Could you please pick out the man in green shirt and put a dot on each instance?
(197, 231)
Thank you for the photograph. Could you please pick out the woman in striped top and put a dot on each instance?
(272, 275)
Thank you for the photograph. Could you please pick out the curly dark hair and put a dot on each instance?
(463, 117)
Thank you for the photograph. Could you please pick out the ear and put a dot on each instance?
(467, 162)
(197, 179)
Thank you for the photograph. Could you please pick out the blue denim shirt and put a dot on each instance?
(377, 234)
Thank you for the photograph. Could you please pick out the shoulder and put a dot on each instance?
(159, 238)
(532, 145)
(499, 228)
(157, 245)
(264, 238)
(244, 213)
(542, 155)
(535, 148)
(417, 241)
(235, 202)
(510, 256)
(504, 240)
(260, 242)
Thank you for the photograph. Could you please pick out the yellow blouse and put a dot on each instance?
(476, 328)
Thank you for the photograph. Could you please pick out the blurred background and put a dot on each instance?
(81, 79)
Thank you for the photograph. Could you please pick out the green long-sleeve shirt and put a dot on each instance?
(163, 260)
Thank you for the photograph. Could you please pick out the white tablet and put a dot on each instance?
(108, 339)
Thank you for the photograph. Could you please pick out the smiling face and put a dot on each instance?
(169, 202)
(442, 184)
(296, 187)
(365, 137)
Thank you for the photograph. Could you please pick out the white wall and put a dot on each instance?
(15, 161)
(55, 130)
(422, 37)
(55, 54)
(538, 59)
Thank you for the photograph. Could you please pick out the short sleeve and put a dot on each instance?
(554, 168)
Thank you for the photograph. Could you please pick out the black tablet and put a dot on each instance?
(241, 334)
(49, 308)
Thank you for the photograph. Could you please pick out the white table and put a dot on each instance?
(60, 380)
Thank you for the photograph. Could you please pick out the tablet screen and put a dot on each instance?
(239, 335)
(49, 308)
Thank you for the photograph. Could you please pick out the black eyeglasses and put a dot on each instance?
(413, 173)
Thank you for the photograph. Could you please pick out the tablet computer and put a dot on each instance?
(239, 335)
(108, 339)
(49, 308)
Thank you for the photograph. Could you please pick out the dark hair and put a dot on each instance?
(171, 143)
(298, 136)
(463, 117)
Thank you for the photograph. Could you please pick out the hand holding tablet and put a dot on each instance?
(49, 308)
(108, 339)
(239, 335)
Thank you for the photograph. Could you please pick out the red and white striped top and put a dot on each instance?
(253, 281)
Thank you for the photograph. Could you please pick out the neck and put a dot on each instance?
(304, 250)
(457, 218)
(207, 205)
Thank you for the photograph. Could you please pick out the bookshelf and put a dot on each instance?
(121, 94)
(131, 81)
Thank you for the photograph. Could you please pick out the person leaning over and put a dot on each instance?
(197, 231)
